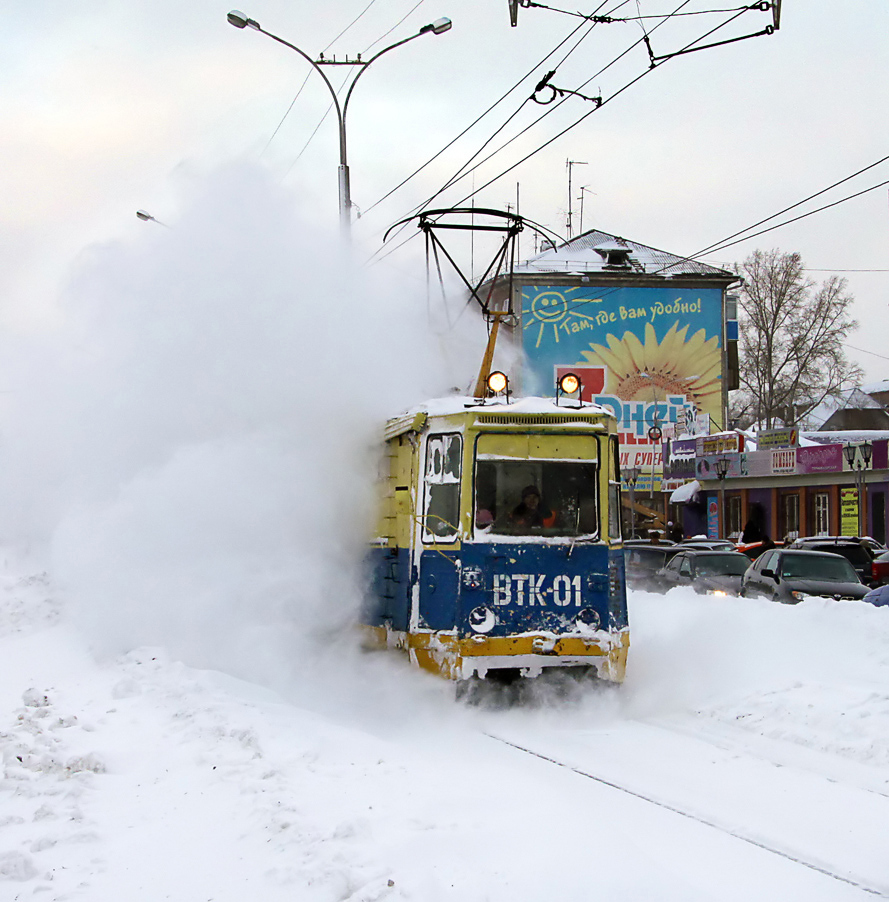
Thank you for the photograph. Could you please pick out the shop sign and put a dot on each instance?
(848, 512)
(759, 463)
(784, 461)
(713, 519)
(719, 443)
(770, 439)
(820, 459)
(705, 467)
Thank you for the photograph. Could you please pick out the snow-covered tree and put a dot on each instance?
(792, 334)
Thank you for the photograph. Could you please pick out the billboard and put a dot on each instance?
(653, 355)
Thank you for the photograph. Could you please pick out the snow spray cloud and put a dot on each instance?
(198, 437)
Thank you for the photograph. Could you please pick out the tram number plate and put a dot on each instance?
(536, 589)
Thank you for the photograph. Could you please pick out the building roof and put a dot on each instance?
(850, 399)
(596, 251)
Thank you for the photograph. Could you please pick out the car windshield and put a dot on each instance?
(733, 564)
(855, 554)
(814, 566)
(646, 558)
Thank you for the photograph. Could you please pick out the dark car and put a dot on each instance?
(792, 574)
(878, 596)
(707, 572)
(856, 553)
(709, 544)
(879, 569)
(643, 562)
(647, 542)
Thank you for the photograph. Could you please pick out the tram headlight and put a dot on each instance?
(569, 383)
(588, 619)
(497, 382)
(482, 620)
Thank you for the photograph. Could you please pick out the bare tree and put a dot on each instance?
(792, 334)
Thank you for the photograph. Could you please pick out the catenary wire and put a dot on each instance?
(482, 115)
(378, 254)
(799, 203)
(594, 110)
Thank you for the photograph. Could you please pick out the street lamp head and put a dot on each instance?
(632, 474)
(866, 449)
(849, 452)
(239, 20)
(722, 467)
(439, 26)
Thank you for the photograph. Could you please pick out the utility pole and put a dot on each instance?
(569, 164)
(583, 190)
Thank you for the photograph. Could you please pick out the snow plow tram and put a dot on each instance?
(498, 551)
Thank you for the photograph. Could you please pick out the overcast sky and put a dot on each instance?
(112, 106)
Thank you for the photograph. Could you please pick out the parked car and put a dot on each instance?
(707, 572)
(879, 569)
(709, 544)
(878, 596)
(647, 542)
(791, 574)
(853, 549)
(871, 544)
(643, 562)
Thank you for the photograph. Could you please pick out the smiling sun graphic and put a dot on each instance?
(651, 370)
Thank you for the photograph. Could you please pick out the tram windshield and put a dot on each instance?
(536, 498)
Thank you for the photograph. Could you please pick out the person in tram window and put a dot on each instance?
(531, 512)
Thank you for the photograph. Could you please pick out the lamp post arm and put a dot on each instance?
(340, 111)
(363, 69)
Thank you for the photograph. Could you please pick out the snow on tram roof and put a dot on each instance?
(460, 404)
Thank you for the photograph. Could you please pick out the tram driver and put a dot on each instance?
(531, 512)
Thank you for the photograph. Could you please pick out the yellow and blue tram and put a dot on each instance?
(498, 549)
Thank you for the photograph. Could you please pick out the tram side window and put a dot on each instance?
(442, 512)
(614, 490)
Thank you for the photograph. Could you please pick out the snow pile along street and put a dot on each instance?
(360, 779)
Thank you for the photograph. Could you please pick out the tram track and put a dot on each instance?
(712, 823)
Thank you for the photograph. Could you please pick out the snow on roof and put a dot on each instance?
(873, 388)
(851, 399)
(529, 405)
(684, 493)
(845, 435)
(590, 251)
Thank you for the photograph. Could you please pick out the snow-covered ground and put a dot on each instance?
(747, 756)
(184, 712)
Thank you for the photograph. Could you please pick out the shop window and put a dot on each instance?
(822, 514)
(733, 516)
(790, 516)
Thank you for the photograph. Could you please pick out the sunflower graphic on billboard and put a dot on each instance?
(650, 370)
(651, 354)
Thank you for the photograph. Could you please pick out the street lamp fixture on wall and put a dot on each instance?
(722, 467)
(631, 475)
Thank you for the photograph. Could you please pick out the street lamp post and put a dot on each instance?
(439, 26)
(631, 474)
(865, 449)
(722, 468)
